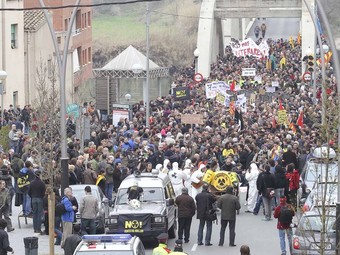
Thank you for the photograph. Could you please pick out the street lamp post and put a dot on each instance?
(3, 76)
(147, 108)
(61, 57)
(196, 54)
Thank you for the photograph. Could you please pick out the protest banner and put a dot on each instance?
(192, 119)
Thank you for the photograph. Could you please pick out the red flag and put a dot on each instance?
(280, 105)
(232, 86)
(274, 122)
(300, 119)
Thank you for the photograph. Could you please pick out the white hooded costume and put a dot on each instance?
(177, 178)
(196, 177)
(166, 168)
(251, 177)
(187, 171)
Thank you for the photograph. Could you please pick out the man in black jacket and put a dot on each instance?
(186, 210)
(266, 185)
(72, 241)
(37, 192)
(204, 202)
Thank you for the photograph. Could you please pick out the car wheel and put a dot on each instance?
(171, 232)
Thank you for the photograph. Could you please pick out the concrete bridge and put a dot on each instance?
(221, 20)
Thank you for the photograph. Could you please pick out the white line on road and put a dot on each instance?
(194, 247)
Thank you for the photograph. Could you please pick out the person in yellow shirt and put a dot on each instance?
(228, 150)
(283, 61)
(162, 248)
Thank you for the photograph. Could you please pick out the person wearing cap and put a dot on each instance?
(162, 248)
(186, 210)
(36, 191)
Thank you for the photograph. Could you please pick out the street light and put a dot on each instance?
(128, 98)
(196, 54)
(3, 76)
(137, 69)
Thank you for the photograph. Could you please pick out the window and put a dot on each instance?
(59, 39)
(14, 36)
(89, 53)
(49, 68)
(89, 19)
(15, 99)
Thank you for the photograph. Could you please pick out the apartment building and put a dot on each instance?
(79, 61)
(11, 53)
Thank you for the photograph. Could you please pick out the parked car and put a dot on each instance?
(319, 168)
(103, 204)
(324, 194)
(308, 239)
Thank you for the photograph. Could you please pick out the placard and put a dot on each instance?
(117, 114)
(192, 119)
(181, 93)
(282, 117)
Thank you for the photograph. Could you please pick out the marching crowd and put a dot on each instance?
(267, 156)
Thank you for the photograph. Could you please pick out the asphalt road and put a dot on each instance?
(251, 230)
(277, 28)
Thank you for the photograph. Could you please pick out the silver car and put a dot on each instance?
(308, 240)
(103, 204)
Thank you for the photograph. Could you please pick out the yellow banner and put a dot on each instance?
(282, 117)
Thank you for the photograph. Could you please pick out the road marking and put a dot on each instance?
(194, 247)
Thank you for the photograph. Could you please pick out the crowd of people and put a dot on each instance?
(267, 156)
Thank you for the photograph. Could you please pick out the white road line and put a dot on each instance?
(194, 247)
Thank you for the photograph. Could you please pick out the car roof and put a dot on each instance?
(116, 245)
(146, 180)
(82, 186)
(323, 152)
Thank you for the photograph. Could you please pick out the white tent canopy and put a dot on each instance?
(129, 57)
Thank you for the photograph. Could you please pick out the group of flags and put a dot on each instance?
(291, 125)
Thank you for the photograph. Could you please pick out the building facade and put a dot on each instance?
(11, 53)
(79, 61)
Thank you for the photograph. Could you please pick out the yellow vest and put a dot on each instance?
(160, 250)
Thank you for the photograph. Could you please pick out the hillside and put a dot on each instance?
(173, 31)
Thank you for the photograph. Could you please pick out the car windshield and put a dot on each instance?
(94, 252)
(315, 223)
(318, 172)
(149, 195)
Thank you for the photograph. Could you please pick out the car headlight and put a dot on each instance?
(159, 219)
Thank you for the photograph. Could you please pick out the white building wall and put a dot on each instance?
(39, 51)
(13, 61)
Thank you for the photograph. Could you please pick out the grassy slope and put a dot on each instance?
(172, 37)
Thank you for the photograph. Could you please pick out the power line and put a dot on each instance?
(184, 16)
(72, 6)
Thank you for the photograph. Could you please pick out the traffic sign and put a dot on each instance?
(307, 76)
(198, 77)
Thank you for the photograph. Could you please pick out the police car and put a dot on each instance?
(151, 215)
(119, 244)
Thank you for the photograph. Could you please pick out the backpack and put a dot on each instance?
(286, 215)
(60, 209)
(23, 182)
